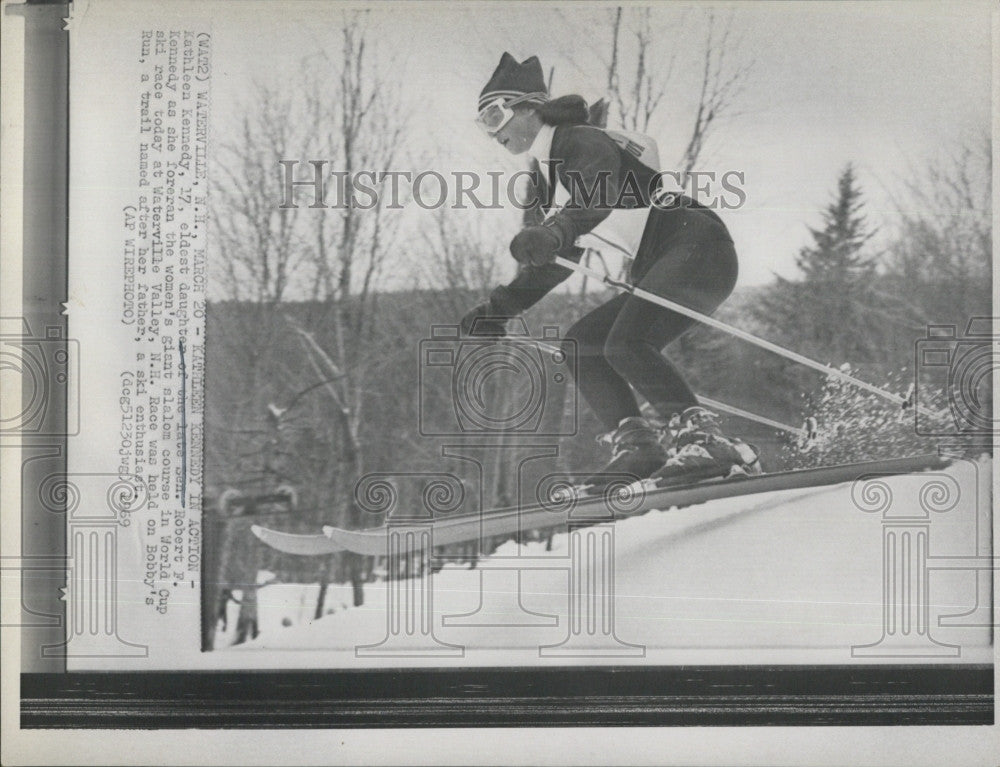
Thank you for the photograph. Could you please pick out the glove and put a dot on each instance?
(484, 320)
(536, 245)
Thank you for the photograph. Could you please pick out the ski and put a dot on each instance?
(308, 545)
(467, 527)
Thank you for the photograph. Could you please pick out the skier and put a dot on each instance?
(680, 250)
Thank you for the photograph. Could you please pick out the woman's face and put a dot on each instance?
(519, 133)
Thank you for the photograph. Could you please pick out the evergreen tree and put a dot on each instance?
(829, 312)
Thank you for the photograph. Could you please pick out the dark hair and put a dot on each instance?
(565, 110)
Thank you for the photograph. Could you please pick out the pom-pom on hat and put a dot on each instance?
(511, 80)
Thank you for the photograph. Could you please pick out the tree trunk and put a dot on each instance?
(246, 624)
(324, 581)
(355, 566)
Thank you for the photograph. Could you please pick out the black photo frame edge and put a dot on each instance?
(578, 696)
(902, 694)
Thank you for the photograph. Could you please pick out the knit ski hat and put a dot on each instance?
(511, 80)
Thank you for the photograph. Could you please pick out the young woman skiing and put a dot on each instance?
(681, 250)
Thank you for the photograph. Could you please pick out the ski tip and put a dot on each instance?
(257, 530)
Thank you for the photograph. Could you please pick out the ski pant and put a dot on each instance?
(618, 344)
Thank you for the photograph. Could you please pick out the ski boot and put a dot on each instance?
(636, 453)
(751, 458)
(701, 451)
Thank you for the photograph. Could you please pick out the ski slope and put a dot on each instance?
(784, 577)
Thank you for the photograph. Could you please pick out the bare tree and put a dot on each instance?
(258, 251)
(459, 257)
(721, 85)
(359, 125)
(943, 254)
(637, 93)
(640, 63)
(637, 90)
(347, 116)
(258, 241)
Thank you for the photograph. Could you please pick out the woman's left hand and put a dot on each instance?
(535, 245)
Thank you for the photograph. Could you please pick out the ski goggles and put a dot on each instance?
(498, 113)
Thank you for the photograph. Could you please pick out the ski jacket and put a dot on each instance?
(591, 186)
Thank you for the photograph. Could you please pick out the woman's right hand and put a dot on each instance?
(536, 245)
(483, 321)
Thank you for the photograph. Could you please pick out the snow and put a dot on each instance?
(784, 577)
(284, 605)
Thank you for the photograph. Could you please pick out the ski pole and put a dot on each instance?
(731, 409)
(742, 334)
